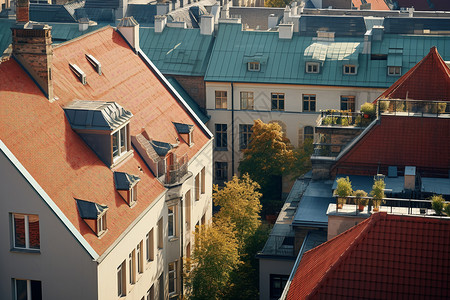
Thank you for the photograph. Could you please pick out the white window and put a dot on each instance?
(203, 179)
(120, 142)
(394, 71)
(101, 224)
(221, 99)
(172, 278)
(171, 221)
(140, 257)
(160, 234)
(133, 195)
(26, 232)
(254, 66)
(150, 243)
(350, 69)
(27, 289)
(247, 100)
(121, 280)
(312, 67)
(132, 266)
(197, 187)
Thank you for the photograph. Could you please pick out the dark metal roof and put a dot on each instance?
(183, 128)
(161, 148)
(96, 115)
(50, 13)
(102, 4)
(144, 14)
(96, 14)
(342, 26)
(125, 181)
(90, 210)
(416, 25)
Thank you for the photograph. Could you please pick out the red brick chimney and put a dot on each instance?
(32, 48)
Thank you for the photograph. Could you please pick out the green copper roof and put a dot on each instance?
(285, 59)
(177, 51)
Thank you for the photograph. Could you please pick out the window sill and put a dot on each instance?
(173, 239)
(25, 250)
(117, 160)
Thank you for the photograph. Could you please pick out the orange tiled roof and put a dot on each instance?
(376, 4)
(38, 134)
(429, 79)
(383, 257)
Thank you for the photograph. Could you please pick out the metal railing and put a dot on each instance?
(413, 107)
(340, 118)
(177, 170)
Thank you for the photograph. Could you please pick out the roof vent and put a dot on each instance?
(95, 63)
(77, 71)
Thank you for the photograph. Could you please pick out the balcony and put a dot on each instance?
(413, 108)
(177, 173)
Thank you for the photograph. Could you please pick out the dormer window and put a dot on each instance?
(349, 70)
(254, 66)
(312, 67)
(94, 215)
(104, 126)
(126, 185)
(394, 71)
(186, 132)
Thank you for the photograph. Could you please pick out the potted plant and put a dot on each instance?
(343, 190)
(384, 105)
(368, 110)
(437, 203)
(447, 209)
(360, 199)
(377, 193)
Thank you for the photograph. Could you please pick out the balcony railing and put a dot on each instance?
(413, 107)
(177, 170)
(341, 118)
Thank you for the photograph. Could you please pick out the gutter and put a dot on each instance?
(232, 127)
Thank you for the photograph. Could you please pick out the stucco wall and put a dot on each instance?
(270, 266)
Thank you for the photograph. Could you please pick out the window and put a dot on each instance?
(247, 100)
(221, 137)
(254, 66)
(27, 289)
(26, 232)
(150, 293)
(101, 224)
(309, 103)
(161, 287)
(150, 243)
(349, 69)
(221, 99)
(308, 133)
(348, 103)
(120, 142)
(160, 234)
(221, 171)
(278, 101)
(312, 67)
(187, 204)
(171, 221)
(277, 284)
(140, 257)
(132, 266)
(133, 195)
(245, 133)
(394, 71)
(203, 178)
(121, 280)
(172, 278)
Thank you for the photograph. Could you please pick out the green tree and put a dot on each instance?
(269, 154)
(214, 258)
(239, 203)
(302, 159)
(276, 3)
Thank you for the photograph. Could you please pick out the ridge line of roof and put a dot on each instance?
(82, 36)
(50, 203)
(368, 225)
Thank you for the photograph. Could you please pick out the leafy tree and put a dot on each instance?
(239, 203)
(269, 154)
(214, 258)
(302, 161)
(276, 3)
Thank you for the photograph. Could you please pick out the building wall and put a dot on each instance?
(292, 119)
(339, 224)
(64, 267)
(268, 267)
(194, 86)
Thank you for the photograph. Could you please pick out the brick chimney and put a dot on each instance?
(32, 48)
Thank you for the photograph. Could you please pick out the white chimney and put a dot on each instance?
(215, 11)
(410, 178)
(287, 14)
(206, 24)
(294, 8)
(411, 11)
(160, 23)
(129, 29)
(83, 24)
(285, 31)
(225, 13)
(272, 21)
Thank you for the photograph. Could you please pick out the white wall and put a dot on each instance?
(66, 270)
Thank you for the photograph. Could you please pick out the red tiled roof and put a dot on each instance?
(38, 134)
(375, 4)
(383, 257)
(402, 141)
(429, 79)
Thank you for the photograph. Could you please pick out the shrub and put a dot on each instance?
(437, 203)
(378, 192)
(441, 107)
(384, 105)
(359, 194)
(368, 109)
(447, 209)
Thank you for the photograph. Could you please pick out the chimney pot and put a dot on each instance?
(23, 11)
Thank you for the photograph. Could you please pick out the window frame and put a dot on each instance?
(160, 233)
(203, 181)
(307, 135)
(102, 226)
(187, 211)
(308, 101)
(121, 280)
(245, 133)
(221, 99)
(132, 267)
(397, 71)
(248, 99)
(172, 272)
(312, 67)
(282, 279)
(350, 70)
(221, 137)
(279, 100)
(123, 138)
(150, 244)
(348, 100)
(254, 66)
(150, 295)
(29, 289)
(27, 234)
(171, 218)
(140, 257)
(222, 170)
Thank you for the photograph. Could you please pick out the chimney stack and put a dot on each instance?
(206, 24)
(129, 29)
(160, 23)
(23, 11)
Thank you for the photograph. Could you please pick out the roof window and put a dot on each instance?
(312, 67)
(126, 185)
(350, 70)
(253, 66)
(95, 63)
(186, 132)
(78, 72)
(94, 215)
